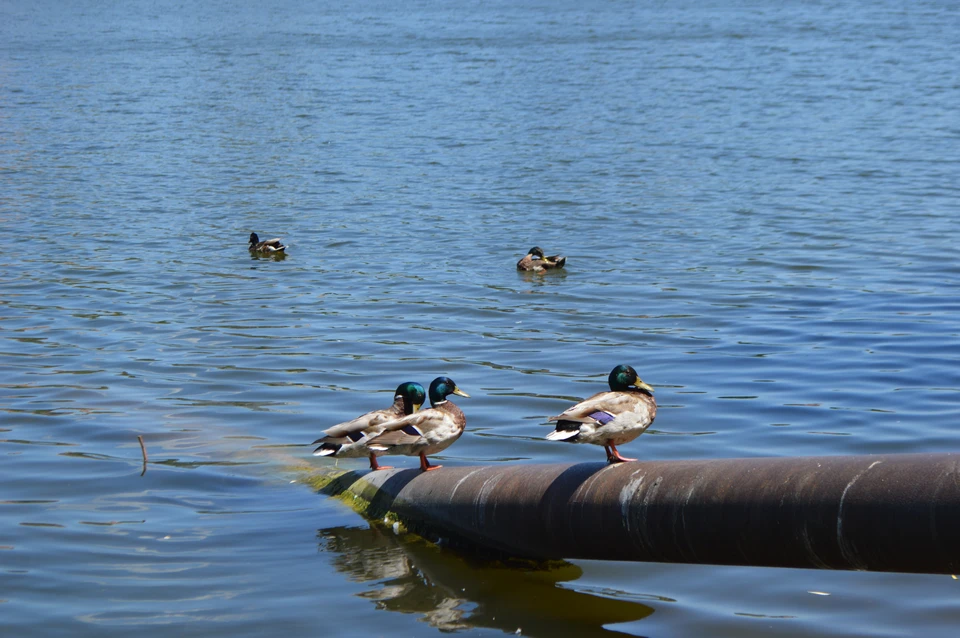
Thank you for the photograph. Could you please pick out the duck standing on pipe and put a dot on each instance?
(428, 431)
(351, 438)
(609, 418)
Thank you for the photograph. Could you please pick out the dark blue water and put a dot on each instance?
(758, 202)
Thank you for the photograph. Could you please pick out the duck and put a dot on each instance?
(351, 438)
(428, 431)
(267, 246)
(536, 261)
(609, 418)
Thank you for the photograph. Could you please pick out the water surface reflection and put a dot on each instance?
(452, 592)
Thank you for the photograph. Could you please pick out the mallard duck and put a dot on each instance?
(265, 247)
(609, 418)
(536, 261)
(350, 439)
(428, 431)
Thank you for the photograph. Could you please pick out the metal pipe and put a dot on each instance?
(896, 513)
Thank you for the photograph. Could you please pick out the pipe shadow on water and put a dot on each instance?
(453, 591)
(454, 588)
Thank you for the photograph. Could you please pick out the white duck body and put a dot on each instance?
(353, 436)
(606, 417)
(426, 432)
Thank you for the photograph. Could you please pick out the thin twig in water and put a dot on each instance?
(143, 448)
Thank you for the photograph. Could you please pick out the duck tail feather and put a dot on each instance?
(327, 449)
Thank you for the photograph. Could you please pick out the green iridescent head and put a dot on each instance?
(412, 394)
(536, 251)
(623, 377)
(441, 388)
(254, 239)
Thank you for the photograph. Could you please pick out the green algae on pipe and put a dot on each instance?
(879, 512)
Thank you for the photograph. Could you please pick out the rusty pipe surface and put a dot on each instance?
(896, 513)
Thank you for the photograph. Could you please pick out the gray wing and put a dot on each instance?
(354, 427)
(409, 429)
(612, 403)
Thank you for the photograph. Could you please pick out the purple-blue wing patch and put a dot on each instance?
(601, 417)
(411, 430)
(355, 436)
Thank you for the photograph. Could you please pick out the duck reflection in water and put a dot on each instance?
(454, 593)
(280, 256)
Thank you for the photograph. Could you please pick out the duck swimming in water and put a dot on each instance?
(265, 247)
(609, 418)
(536, 261)
(351, 438)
